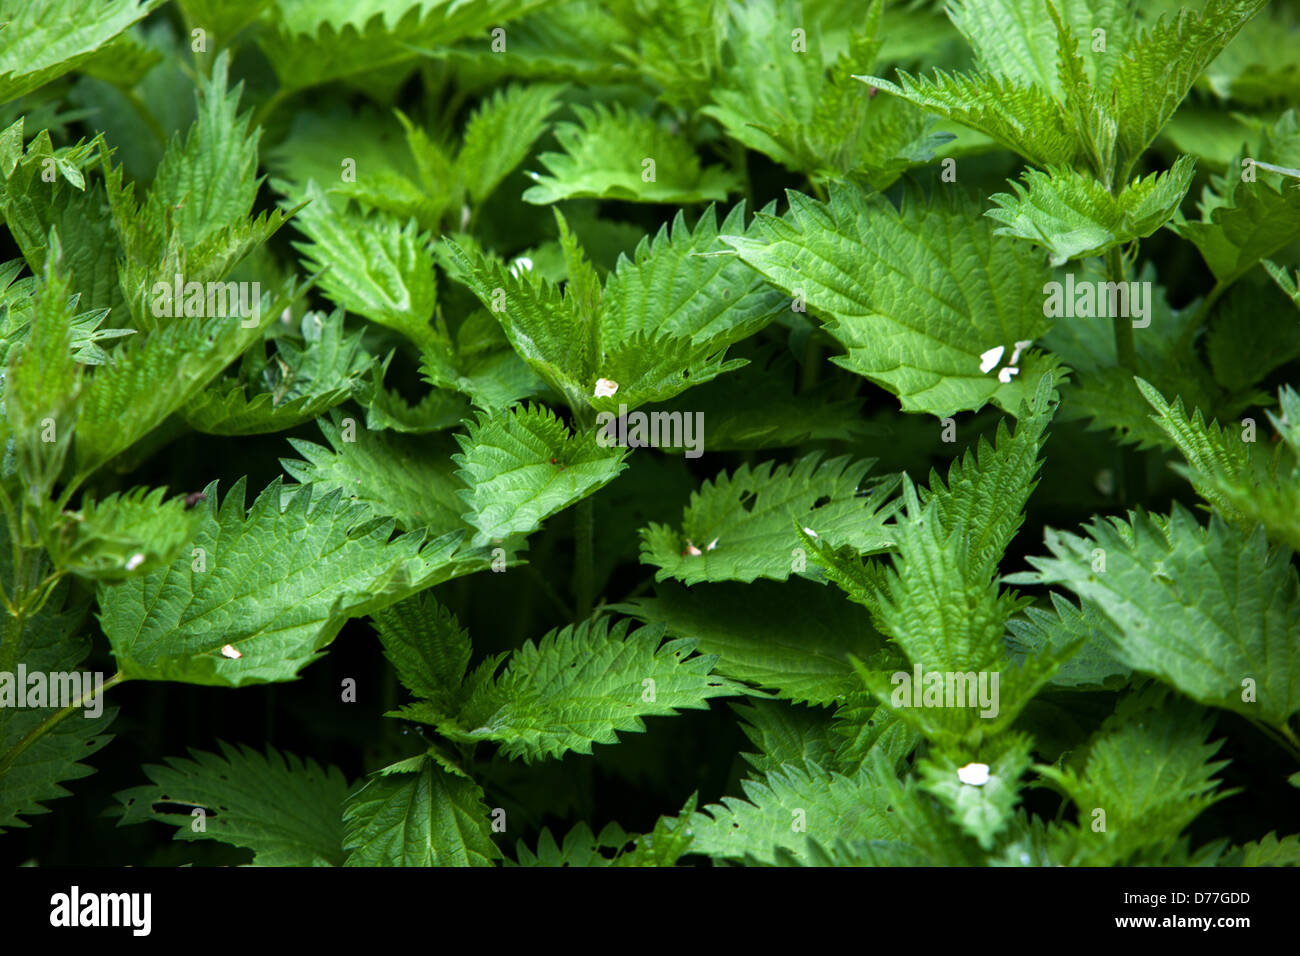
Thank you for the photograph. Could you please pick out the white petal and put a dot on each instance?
(990, 359)
(811, 533)
(1020, 347)
(1004, 376)
(975, 774)
(605, 387)
(134, 561)
(712, 544)
(229, 651)
(521, 265)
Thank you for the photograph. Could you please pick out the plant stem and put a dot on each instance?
(26, 583)
(51, 721)
(1132, 464)
(1125, 349)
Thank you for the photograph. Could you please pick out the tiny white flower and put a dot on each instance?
(1020, 347)
(1004, 376)
(811, 533)
(520, 266)
(975, 774)
(693, 551)
(990, 359)
(712, 544)
(605, 387)
(229, 651)
(134, 561)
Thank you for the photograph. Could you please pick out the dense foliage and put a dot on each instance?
(650, 432)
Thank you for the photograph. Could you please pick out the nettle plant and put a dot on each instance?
(700, 361)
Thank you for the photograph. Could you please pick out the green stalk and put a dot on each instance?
(1132, 464)
(1124, 346)
(52, 721)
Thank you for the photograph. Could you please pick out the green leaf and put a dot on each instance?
(981, 809)
(580, 686)
(224, 19)
(1270, 851)
(784, 805)
(1036, 93)
(193, 225)
(314, 42)
(378, 268)
(1251, 335)
(50, 642)
(429, 817)
(1074, 216)
(676, 284)
(665, 844)
(649, 335)
(1212, 611)
(43, 384)
(1162, 63)
(1094, 665)
(45, 39)
(1253, 210)
(743, 526)
(371, 147)
(1023, 118)
(1103, 390)
(916, 295)
(579, 848)
(940, 602)
(1149, 768)
(285, 809)
(407, 478)
(793, 639)
(618, 154)
(273, 587)
(428, 648)
(387, 410)
(543, 326)
(152, 376)
(781, 101)
(522, 467)
(70, 206)
(786, 736)
(300, 382)
(501, 133)
(1246, 484)
(122, 535)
